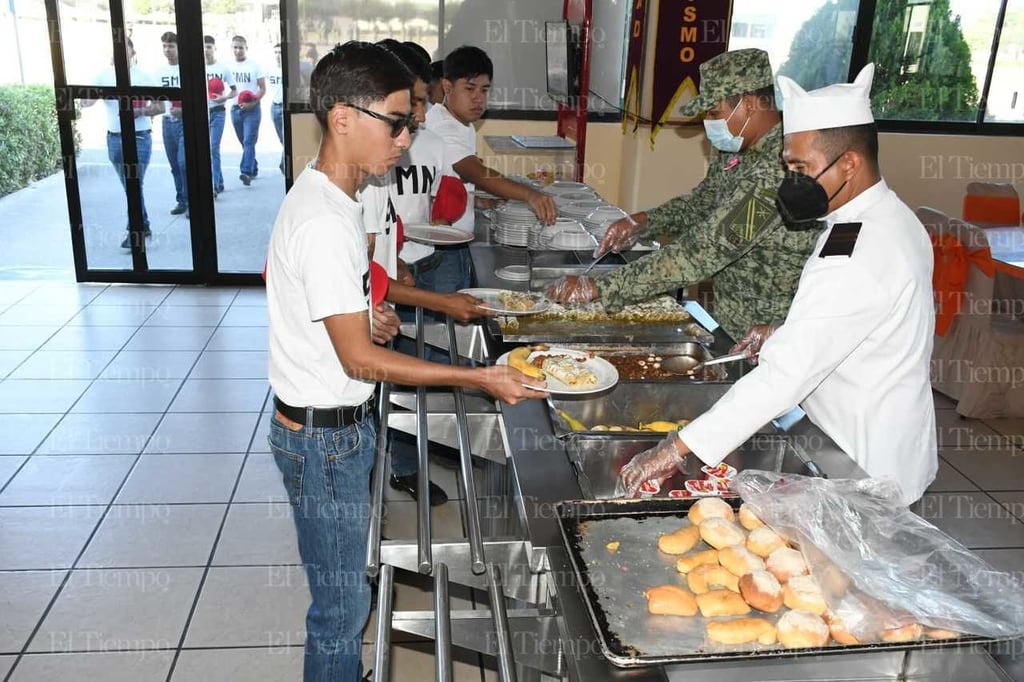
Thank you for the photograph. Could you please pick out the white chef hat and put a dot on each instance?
(833, 106)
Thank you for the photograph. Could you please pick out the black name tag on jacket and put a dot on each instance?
(841, 240)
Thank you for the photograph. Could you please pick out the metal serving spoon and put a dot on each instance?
(687, 364)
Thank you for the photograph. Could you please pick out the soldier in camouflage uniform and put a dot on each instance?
(727, 227)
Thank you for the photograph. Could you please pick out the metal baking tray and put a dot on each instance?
(612, 586)
(599, 457)
(609, 331)
(632, 402)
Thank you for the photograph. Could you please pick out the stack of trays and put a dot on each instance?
(578, 210)
(512, 222)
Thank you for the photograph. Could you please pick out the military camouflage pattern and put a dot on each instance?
(727, 228)
(730, 73)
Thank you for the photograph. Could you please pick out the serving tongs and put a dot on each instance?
(687, 365)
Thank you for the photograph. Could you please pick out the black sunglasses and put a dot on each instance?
(397, 124)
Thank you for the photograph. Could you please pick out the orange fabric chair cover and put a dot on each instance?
(952, 262)
(991, 210)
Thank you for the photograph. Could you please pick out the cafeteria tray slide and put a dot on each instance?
(612, 585)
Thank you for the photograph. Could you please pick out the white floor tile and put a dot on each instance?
(6, 663)
(68, 480)
(63, 364)
(128, 315)
(221, 395)
(135, 666)
(203, 432)
(157, 338)
(154, 535)
(955, 431)
(119, 610)
(186, 316)
(91, 338)
(133, 294)
(245, 316)
(133, 396)
(258, 533)
(242, 364)
(40, 396)
(150, 365)
(260, 482)
(23, 598)
(974, 519)
(8, 465)
(11, 359)
(34, 314)
(239, 338)
(251, 606)
(989, 469)
(44, 537)
(232, 665)
(192, 295)
(26, 337)
(100, 434)
(181, 478)
(949, 479)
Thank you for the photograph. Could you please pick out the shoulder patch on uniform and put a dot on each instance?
(841, 240)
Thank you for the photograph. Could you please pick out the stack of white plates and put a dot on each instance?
(512, 222)
(566, 235)
(563, 186)
(542, 235)
(578, 210)
(567, 198)
(598, 220)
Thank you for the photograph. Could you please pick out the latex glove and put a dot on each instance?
(573, 289)
(385, 323)
(621, 235)
(754, 339)
(543, 206)
(657, 464)
(463, 307)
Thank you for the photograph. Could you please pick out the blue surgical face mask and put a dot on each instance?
(717, 130)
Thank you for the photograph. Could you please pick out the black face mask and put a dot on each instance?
(802, 201)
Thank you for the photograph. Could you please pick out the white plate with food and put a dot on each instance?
(566, 371)
(508, 302)
(438, 235)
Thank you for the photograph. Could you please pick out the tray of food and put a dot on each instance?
(644, 363)
(674, 581)
(508, 302)
(566, 371)
(661, 319)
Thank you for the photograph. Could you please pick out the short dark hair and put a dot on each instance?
(863, 139)
(209, 40)
(468, 62)
(765, 95)
(436, 71)
(420, 51)
(355, 73)
(410, 58)
(169, 37)
(240, 39)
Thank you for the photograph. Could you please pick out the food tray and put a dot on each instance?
(612, 585)
(626, 360)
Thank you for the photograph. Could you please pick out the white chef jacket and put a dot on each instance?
(854, 352)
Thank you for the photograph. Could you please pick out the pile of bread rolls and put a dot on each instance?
(751, 567)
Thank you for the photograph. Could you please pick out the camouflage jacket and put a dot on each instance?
(727, 228)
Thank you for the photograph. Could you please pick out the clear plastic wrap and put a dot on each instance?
(882, 567)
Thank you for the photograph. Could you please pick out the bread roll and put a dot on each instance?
(907, 633)
(680, 541)
(799, 630)
(740, 560)
(762, 541)
(837, 628)
(935, 633)
(784, 563)
(692, 561)
(710, 508)
(720, 533)
(706, 577)
(803, 594)
(670, 600)
(721, 603)
(761, 590)
(748, 519)
(741, 631)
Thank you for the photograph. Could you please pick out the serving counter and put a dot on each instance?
(539, 627)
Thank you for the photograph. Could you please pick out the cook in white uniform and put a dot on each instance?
(855, 348)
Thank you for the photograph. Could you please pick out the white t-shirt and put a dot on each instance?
(137, 77)
(415, 179)
(276, 85)
(316, 267)
(247, 75)
(218, 70)
(381, 219)
(459, 143)
(167, 76)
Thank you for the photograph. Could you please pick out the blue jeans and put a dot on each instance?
(247, 128)
(277, 113)
(216, 133)
(326, 472)
(455, 270)
(174, 145)
(144, 148)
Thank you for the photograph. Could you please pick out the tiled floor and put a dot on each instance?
(144, 532)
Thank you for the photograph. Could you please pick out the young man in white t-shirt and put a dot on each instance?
(220, 88)
(324, 364)
(167, 76)
(245, 112)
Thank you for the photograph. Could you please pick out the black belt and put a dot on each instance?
(218, 108)
(137, 132)
(426, 264)
(326, 418)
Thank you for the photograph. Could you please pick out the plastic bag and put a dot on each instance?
(880, 566)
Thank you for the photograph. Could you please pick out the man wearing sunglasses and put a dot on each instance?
(323, 363)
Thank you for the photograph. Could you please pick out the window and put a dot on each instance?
(1006, 93)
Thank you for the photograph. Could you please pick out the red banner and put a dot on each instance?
(635, 64)
(689, 33)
